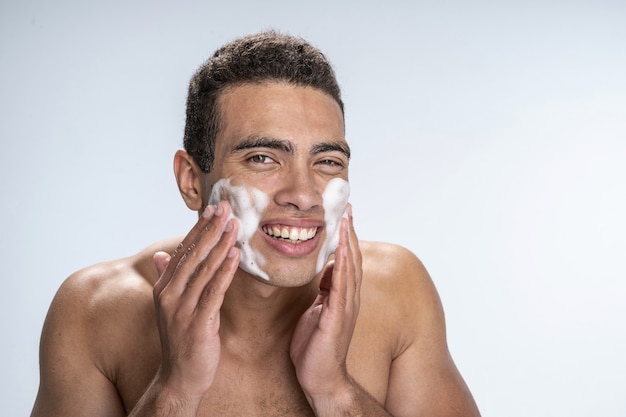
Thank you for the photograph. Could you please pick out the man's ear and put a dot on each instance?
(189, 179)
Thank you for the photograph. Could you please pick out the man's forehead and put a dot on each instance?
(240, 95)
(281, 116)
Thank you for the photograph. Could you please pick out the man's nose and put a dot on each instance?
(299, 189)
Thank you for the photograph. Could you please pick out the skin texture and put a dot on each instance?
(179, 330)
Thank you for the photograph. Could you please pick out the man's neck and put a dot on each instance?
(254, 309)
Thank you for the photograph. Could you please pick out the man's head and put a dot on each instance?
(265, 131)
(268, 56)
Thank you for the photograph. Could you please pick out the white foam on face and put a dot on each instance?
(248, 203)
(247, 207)
(335, 199)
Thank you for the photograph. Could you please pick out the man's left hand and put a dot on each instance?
(320, 343)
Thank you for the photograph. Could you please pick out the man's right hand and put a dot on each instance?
(188, 297)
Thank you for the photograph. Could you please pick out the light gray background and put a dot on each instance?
(488, 137)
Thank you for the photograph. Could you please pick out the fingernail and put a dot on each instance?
(208, 211)
(232, 252)
(229, 226)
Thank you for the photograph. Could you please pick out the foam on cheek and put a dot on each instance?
(247, 206)
(335, 199)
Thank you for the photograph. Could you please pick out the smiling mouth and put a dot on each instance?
(289, 233)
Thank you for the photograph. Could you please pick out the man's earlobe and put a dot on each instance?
(189, 179)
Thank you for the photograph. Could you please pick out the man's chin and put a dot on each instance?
(286, 278)
(277, 269)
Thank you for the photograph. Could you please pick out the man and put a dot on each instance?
(270, 305)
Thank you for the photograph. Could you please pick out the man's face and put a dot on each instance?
(279, 148)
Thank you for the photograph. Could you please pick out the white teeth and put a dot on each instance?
(294, 234)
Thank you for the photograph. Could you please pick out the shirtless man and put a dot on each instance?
(270, 305)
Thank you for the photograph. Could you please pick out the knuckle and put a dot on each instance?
(162, 299)
(180, 316)
(178, 249)
(201, 270)
(210, 293)
(189, 251)
(213, 226)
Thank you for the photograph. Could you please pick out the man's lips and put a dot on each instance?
(293, 234)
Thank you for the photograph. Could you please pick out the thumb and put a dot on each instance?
(161, 260)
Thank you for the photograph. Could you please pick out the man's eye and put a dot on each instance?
(331, 162)
(261, 159)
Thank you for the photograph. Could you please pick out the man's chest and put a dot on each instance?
(246, 391)
(240, 388)
(263, 386)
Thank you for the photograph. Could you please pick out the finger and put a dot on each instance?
(212, 297)
(337, 298)
(206, 216)
(355, 253)
(196, 246)
(183, 246)
(205, 271)
(348, 268)
(350, 272)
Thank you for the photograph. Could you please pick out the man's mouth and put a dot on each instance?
(290, 233)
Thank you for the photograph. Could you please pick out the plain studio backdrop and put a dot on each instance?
(488, 137)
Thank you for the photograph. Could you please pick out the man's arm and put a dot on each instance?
(423, 380)
(71, 384)
(78, 354)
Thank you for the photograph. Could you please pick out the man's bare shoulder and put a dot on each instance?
(116, 280)
(400, 309)
(99, 327)
(113, 296)
(397, 286)
(393, 268)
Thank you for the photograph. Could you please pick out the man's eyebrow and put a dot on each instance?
(331, 147)
(263, 142)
